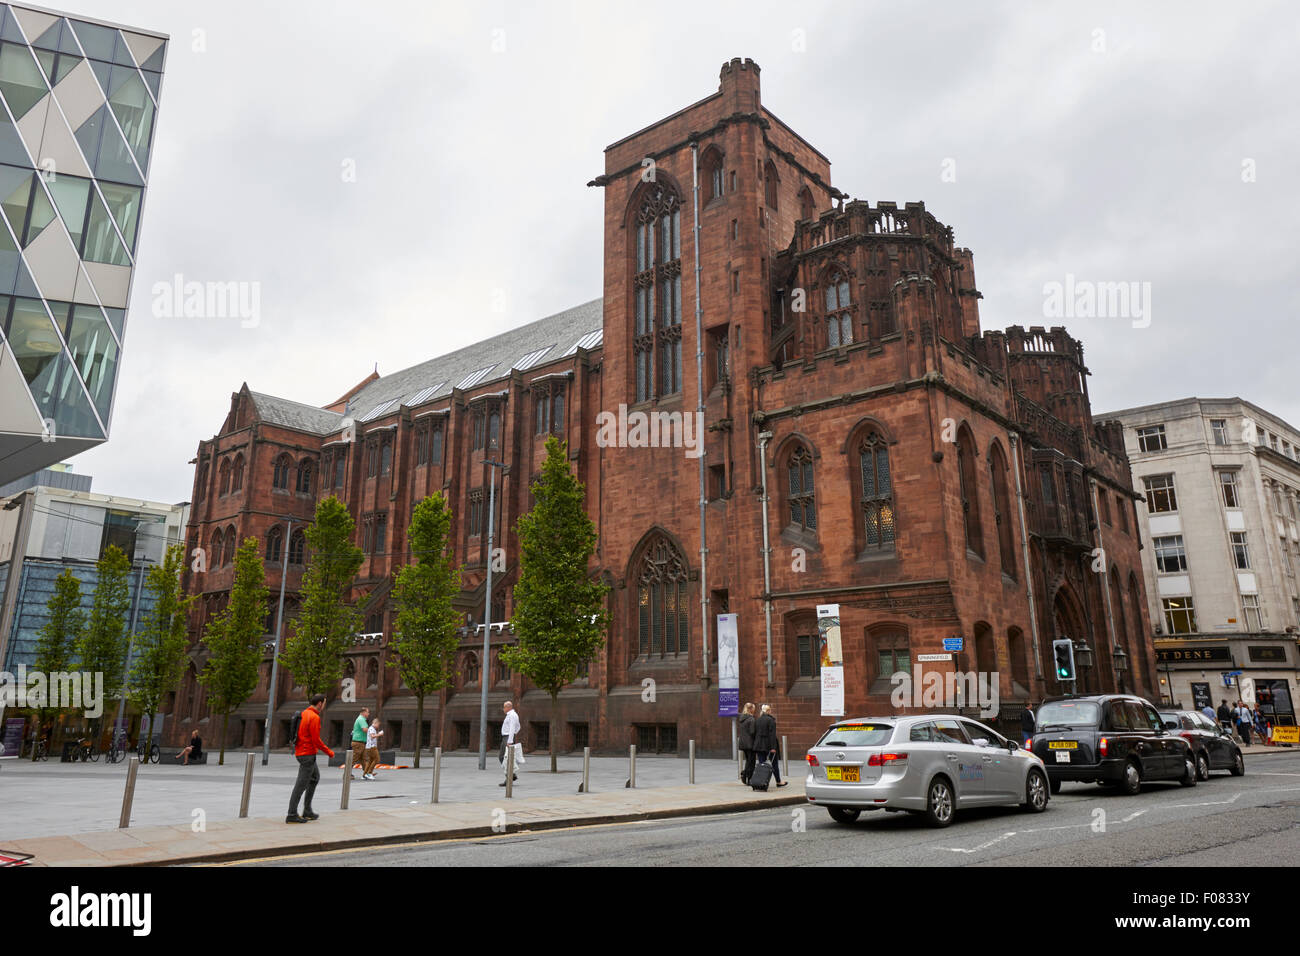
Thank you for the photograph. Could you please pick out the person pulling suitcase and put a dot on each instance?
(765, 744)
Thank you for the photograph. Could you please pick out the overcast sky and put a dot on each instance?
(1095, 140)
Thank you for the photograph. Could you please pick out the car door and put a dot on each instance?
(1003, 771)
(1216, 743)
(1169, 756)
(965, 762)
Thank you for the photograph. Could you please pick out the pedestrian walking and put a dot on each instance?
(765, 742)
(308, 744)
(510, 731)
(1208, 711)
(371, 754)
(359, 727)
(1027, 723)
(745, 733)
(1243, 722)
(1224, 714)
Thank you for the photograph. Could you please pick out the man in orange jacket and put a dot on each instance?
(309, 744)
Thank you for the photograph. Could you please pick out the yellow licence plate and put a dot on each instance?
(1062, 745)
(843, 774)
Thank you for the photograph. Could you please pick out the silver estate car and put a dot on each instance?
(934, 764)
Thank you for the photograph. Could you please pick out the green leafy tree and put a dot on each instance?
(559, 608)
(326, 623)
(234, 639)
(103, 644)
(56, 644)
(159, 661)
(426, 624)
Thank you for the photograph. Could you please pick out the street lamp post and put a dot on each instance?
(487, 615)
(275, 651)
(1083, 657)
(1121, 666)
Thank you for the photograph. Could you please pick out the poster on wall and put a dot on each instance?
(13, 736)
(1201, 695)
(832, 659)
(728, 666)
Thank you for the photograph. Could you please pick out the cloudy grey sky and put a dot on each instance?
(1113, 142)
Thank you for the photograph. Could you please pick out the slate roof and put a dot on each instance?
(558, 334)
(290, 414)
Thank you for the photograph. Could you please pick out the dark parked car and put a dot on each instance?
(1212, 747)
(1111, 739)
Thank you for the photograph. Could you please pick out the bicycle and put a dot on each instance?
(117, 749)
(42, 749)
(87, 750)
(148, 752)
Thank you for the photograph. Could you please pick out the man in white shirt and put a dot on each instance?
(509, 731)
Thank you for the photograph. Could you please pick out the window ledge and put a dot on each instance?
(805, 687)
(877, 556)
(800, 537)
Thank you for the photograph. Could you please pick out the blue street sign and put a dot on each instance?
(953, 643)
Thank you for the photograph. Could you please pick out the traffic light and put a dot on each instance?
(1063, 654)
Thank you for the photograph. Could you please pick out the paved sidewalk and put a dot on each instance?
(67, 814)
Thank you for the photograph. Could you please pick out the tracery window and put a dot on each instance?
(839, 312)
(662, 607)
(877, 502)
(657, 343)
(800, 491)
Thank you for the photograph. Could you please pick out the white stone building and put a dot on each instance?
(1221, 548)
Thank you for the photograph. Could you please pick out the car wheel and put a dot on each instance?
(843, 814)
(939, 803)
(1189, 778)
(1035, 792)
(1056, 786)
(1202, 767)
(1238, 765)
(1132, 782)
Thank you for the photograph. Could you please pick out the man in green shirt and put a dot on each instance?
(359, 737)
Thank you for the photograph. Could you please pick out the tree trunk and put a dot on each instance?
(419, 725)
(225, 725)
(555, 716)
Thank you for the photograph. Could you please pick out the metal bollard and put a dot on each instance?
(437, 770)
(248, 785)
(510, 770)
(132, 769)
(691, 748)
(586, 770)
(785, 758)
(347, 780)
(631, 766)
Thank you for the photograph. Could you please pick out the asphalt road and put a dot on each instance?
(1224, 822)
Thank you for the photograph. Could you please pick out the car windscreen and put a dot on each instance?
(1069, 713)
(857, 735)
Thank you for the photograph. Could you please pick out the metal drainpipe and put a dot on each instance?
(1105, 585)
(699, 413)
(763, 439)
(1024, 547)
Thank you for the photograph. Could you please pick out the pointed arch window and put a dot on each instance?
(557, 410)
(215, 550)
(970, 502)
(877, 502)
(770, 183)
(712, 174)
(1002, 511)
(807, 208)
(839, 311)
(297, 547)
(304, 477)
(237, 475)
(280, 477)
(274, 544)
(228, 551)
(435, 446)
(662, 605)
(657, 288)
(224, 471)
(800, 490)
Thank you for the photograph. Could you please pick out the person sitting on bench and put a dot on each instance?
(195, 749)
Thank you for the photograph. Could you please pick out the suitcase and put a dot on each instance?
(761, 776)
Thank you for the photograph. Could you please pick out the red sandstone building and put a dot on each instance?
(931, 479)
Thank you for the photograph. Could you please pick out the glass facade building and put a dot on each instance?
(78, 108)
